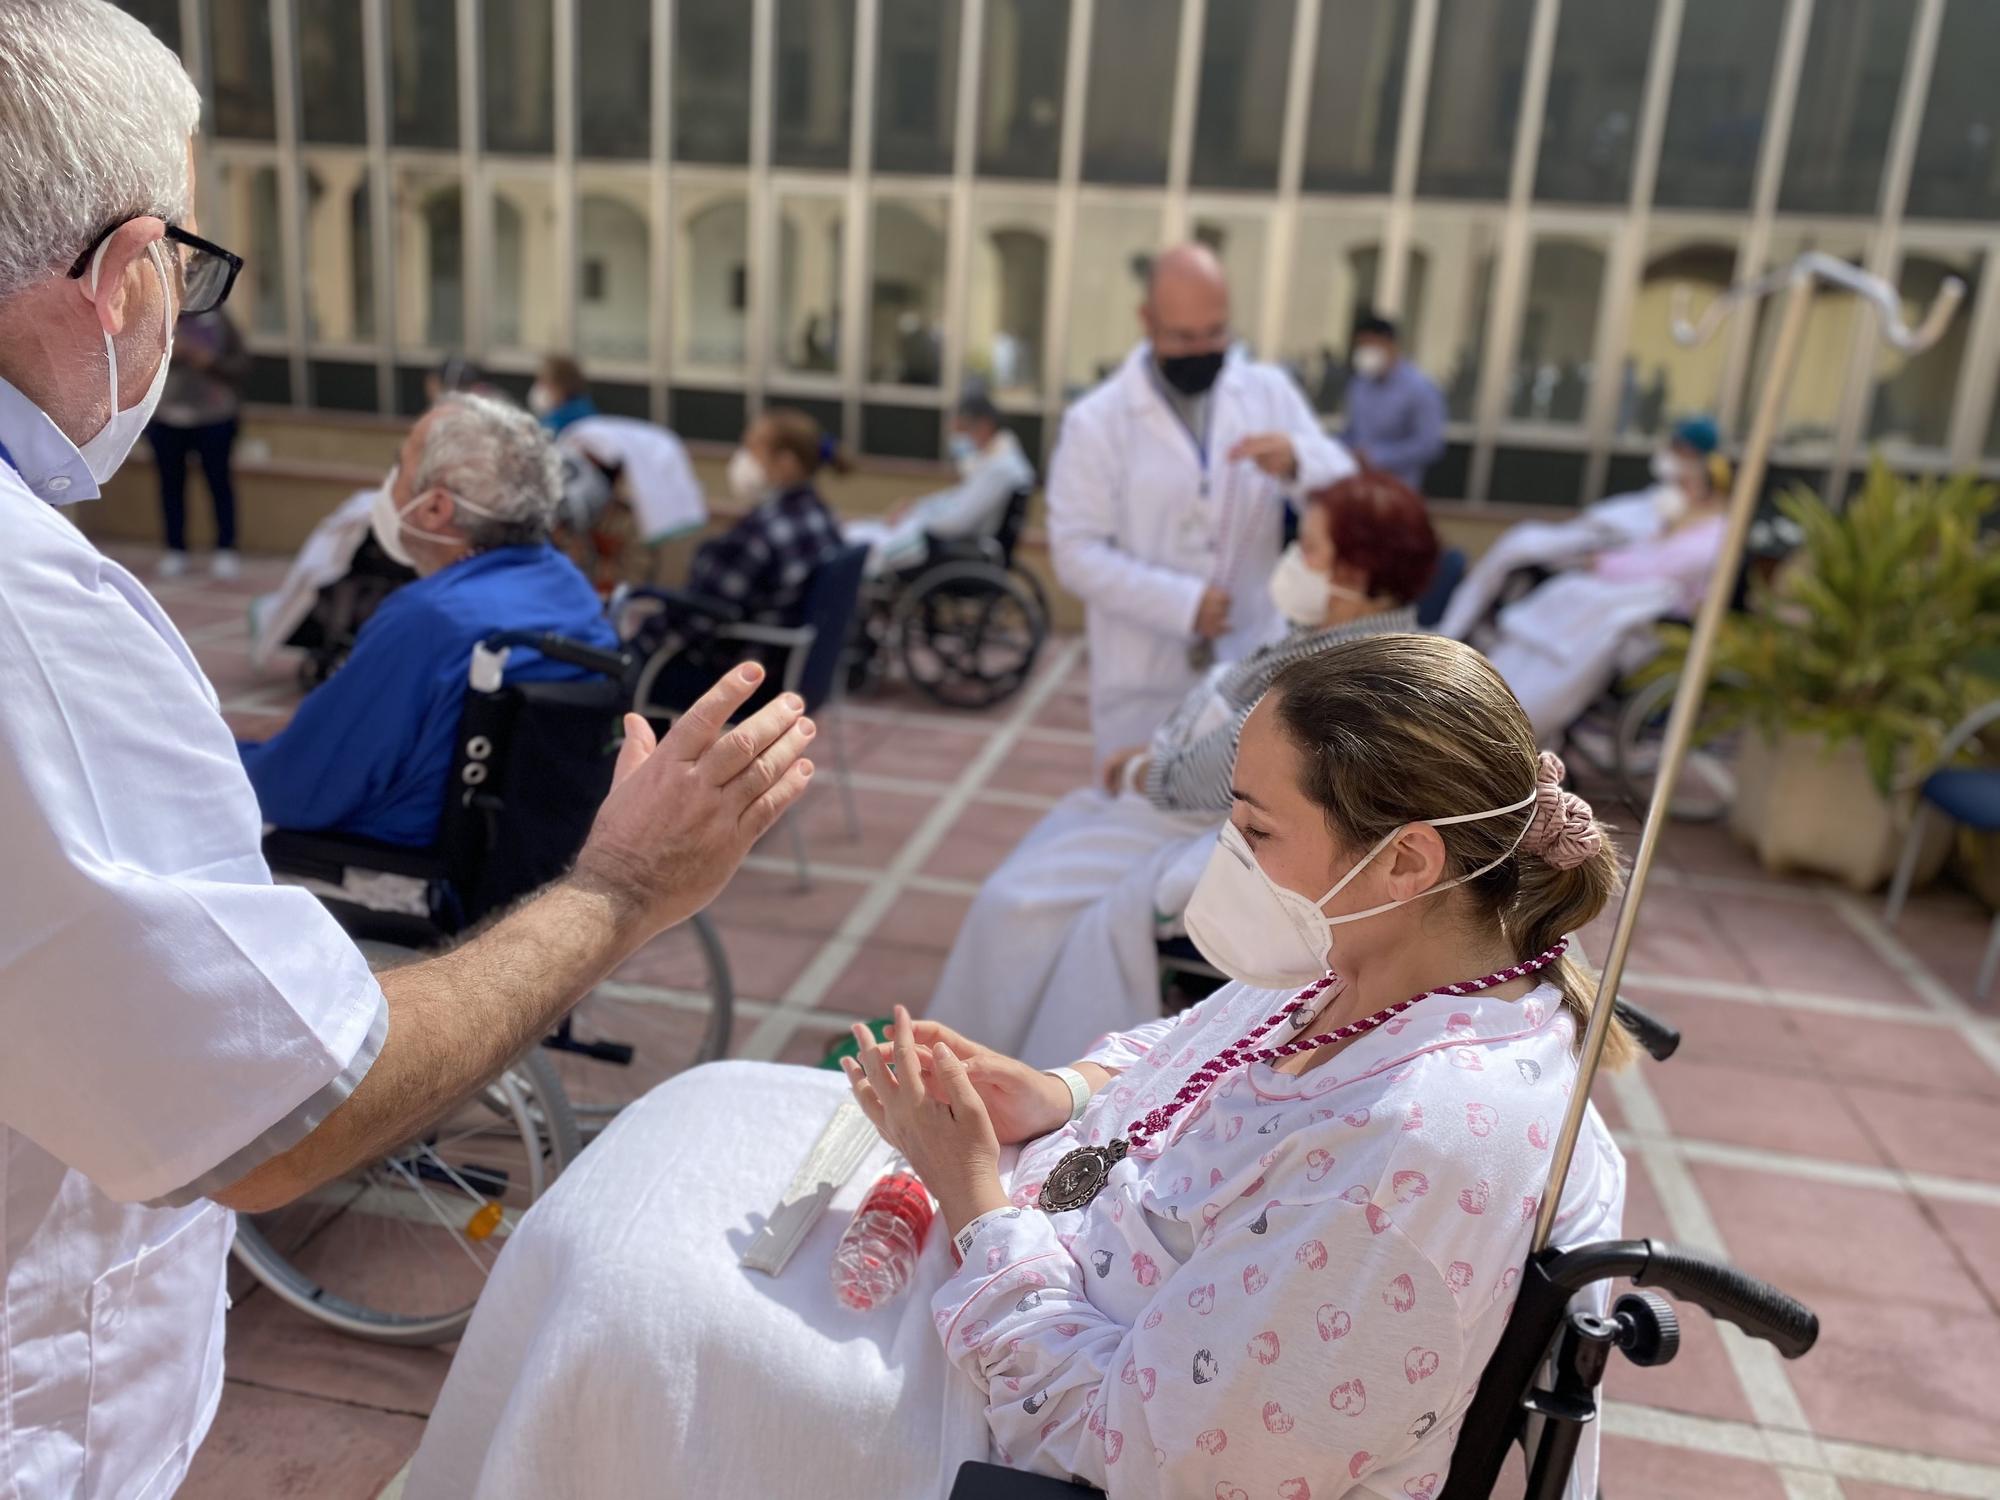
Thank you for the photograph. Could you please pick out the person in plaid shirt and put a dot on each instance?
(762, 564)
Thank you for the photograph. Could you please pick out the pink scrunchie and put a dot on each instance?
(1564, 832)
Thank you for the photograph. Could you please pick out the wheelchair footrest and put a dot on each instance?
(617, 1053)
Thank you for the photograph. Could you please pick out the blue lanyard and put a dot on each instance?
(8, 459)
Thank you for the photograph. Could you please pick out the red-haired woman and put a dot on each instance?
(1059, 946)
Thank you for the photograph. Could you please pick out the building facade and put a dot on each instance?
(859, 206)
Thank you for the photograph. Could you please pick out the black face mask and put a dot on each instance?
(1192, 374)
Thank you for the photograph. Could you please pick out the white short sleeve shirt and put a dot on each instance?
(172, 1018)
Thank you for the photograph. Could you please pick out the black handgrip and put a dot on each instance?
(1756, 1307)
(1660, 1039)
(612, 664)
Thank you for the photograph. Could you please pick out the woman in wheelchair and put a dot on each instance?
(1262, 1248)
(469, 507)
(1059, 947)
(757, 571)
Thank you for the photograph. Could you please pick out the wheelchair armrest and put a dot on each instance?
(326, 856)
(964, 549)
(1713, 1285)
(687, 599)
(790, 637)
(1660, 1039)
(991, 1482)
(613, 664)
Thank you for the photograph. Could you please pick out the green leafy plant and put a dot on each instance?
(1883, 629)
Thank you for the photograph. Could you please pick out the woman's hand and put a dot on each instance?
(1023, 1103)
(938, 1123)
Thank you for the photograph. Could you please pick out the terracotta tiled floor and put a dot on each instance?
(1832, 1121)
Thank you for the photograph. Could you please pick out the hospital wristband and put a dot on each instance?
(961, 1243)
(1079, 1091)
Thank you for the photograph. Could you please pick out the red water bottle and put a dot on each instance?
(878, 1253)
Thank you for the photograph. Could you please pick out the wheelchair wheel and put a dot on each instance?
(624, 1039)
(399, 1250)
(1707, 785)
(969, 634)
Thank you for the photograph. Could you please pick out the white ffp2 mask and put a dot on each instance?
(388, 525)
(105, 453)
(748, 483)
(1271, 938)
(1302, 595)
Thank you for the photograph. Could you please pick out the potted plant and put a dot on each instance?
(1851, 665)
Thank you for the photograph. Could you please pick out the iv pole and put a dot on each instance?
(1798, 282)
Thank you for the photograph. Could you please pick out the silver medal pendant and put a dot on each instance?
(1079, 1177)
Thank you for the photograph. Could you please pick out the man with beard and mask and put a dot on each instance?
(1166, 495)
(469, 506)
(185, 1038)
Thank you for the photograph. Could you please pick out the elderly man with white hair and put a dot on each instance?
(182, 1036)
(469, 506)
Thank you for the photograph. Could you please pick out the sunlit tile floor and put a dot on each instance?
(1832, 1121)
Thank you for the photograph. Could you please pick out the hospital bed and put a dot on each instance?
(532, 763)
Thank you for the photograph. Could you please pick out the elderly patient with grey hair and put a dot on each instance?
(469, 506)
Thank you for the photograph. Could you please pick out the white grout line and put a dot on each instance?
(1977, 1030)
(1759, 1368)
(1843, 1460)
(936, 885)
(1808, 1000)
(833, 957)
(1811, 1168)
(911, 786)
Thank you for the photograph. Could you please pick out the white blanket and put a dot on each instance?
(1092, 857)
(1561, 646)
(595, 1368)
(1617, 522)
(325, 558)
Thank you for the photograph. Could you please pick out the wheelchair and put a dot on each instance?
(326, 636)
(532, 763)
(964, 625)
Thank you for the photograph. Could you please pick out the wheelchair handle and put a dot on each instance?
(1660, 1039)
(1715, 1286)
(613, 664)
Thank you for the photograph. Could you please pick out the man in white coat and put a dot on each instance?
(182, 1037)
(1165, 500)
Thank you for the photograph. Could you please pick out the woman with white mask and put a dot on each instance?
(1060, 944)
(1263, 1248)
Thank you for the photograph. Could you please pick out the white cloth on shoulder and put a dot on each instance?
(325, 558)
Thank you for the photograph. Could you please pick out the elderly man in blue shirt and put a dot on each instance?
(469, 506)
(1395, 412)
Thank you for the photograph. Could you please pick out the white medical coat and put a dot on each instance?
(1143, 518)
(666, 497)
(172, 1019)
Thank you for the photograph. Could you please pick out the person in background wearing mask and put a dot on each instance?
(560, 394)
(991, 468)
(1059, 946)
(185, 1039)
(1165, 500)
(1279, 1289)
(1690, 478)
(759, 568)
(469, 506)
(1563, 644)
(1395, 412)
(198, 412)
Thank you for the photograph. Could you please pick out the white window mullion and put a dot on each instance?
(666, 232)
(762, 216)
(1076, 75)
(1392, 279)
(291, 189)
(1885, 260)
(564, 194)
(1180, 132)
(958, 234)
(1282, 241)
(381, 201)
(858, 251)
(475, 205)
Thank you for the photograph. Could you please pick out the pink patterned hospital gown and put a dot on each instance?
(1293, 1292)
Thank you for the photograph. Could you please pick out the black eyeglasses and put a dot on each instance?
(208, 271)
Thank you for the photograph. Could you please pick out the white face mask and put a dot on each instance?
(386, 521)
(1271, 938)
(1302, 595)
(1371, 360)
(1666, 468)
(541, 400)
(105, 452)
(748, 482)
(1670, 502)
(964, 452)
